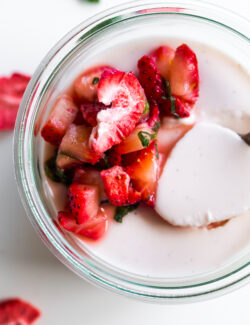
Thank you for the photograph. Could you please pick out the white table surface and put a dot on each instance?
(28, 29)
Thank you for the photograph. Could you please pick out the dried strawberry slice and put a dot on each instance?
(16, 311)
(126, 96)
(11, 92)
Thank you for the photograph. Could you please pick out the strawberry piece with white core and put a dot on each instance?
(61, 116)
(206, 178)
(127, 97)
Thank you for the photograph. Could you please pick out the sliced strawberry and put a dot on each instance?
(94, 229)
(154, 117)
(163, 56)
(61, 116)
(83, 201)
(16, 311)
(75, 144)
(184, 74)
(117, 186)
(86, 84)
(175, 107)
(144, 173)
(90, 111)
(132, 142)
(151, 80)
(11, 92)
(114, 124)
(90, 176)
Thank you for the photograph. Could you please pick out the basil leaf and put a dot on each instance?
(145, 138)
(146, 108)
(95, 81)
(123, 211)
(156, 126)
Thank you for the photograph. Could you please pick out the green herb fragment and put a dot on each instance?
(64, 153)
(146, 108)
(168, 88)
(156, 151)
(95, 81)
(57, 174)
(173, 107)
(120, 212)
(156, 126)
(145, 138)
(92, 0)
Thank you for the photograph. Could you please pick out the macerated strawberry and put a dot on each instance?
(132, 142)
(11, 92)
(86, 84)
(127, 97)
(75, 144)
(117, 186)
(144, 173)
(151, 80)
(163, 56)
(90, 176)
(154, 117)
(16, 311)
(94, 229)
(176, 107)
(90, 111)
(83, 201)
(64, 161)
(61, 116)
(184, 74)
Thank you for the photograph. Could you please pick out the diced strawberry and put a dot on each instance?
(63, 162)
(127, 97)
(151, 80)
(163, 56)
(113, 157)
(90, 176)
(83, 201)
(61, 116)
(176, 107)
(117, 186)
(11, 92)
(133, 142)
(86, 84)
(94, 229)
(90, 111)
(144, 173)
(154, 117)
(16, 311)
(184, 74)
(75, 144)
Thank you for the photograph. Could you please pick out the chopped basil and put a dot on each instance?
(145, 138)
(246, 138)
(146, 108)
(95, 81)
(57, 174)
(156, 126)
(173, 107)
(120, 212)
(156, 151)
(168, 88)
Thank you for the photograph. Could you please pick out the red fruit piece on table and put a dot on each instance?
(118, 188)
(126, 96)
(94, 228)
(11, 92)
(83, 201)
(184, 74)
(151, 80)
(61, 116)
(86, 84)
(163, 56)
(16, 311)
(90, 111)
(90, 176)
(75, 144)
(144, 173)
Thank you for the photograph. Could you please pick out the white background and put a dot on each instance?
(28, 29)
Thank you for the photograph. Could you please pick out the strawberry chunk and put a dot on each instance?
(154, 117)
(126, 96)
(163, 56)
(90, 111)
(132, 142)
(93, 229)
(11, 92)
(75, 144)
(83, 201)
(90, 176)
(176, 107)
(184, 74)
(144, 173)
(117, 187)
(86, 84)
(61, 116)
(16, 311)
